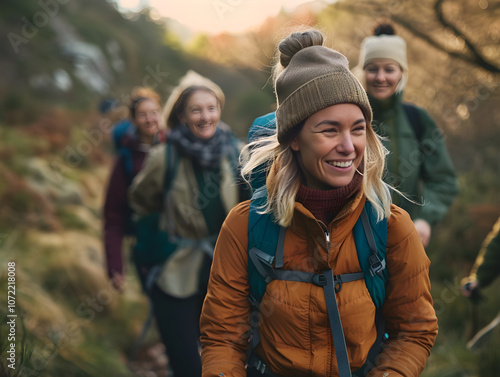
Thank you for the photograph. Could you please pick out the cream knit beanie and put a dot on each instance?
(384, 47)
(315, 77)
(191, 78)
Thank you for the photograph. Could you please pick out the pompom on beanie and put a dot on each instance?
(315, 77)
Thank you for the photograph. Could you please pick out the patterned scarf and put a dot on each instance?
(206, 153)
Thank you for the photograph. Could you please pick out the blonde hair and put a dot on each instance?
(284, 177)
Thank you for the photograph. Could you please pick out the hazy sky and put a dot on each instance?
(214, 16)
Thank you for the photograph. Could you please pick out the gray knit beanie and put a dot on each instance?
(315, 77)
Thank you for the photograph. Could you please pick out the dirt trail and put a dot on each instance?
(151, 361)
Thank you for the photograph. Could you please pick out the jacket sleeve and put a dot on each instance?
(487, 265)
(224, 319)
(145, 193)
(411, 321)
(116, 212)
(438, 173)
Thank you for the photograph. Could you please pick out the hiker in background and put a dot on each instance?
(125, 128)
(486, 267)
(418, 164)
(145, 117)
(326, 169)
(190, 181)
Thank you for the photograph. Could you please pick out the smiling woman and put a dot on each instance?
(191, 184)
(325, 172)
(331, 143)
(418, 163)
(201, 112)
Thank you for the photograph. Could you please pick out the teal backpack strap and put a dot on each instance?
(263, 235)
(171, 163)
(370, 236)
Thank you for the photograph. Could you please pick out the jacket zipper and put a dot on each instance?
(327, 234)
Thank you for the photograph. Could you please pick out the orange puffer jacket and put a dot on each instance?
(295, 334)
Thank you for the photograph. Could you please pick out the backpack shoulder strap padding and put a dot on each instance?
(375, 282)
(120, 129)
(171, 164)
(128, 163)
(263, 234)
(414, 118)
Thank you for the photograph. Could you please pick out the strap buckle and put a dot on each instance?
(319, 280)
(337, 283)
(253, 301)
(376, 265)
(261, 366)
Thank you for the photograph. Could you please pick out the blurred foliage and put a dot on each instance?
(137, 52)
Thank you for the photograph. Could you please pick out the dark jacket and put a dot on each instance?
(117, 212)
(421, 170)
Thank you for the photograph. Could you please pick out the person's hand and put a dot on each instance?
(424, 231)
(118, 281)
(469, 288)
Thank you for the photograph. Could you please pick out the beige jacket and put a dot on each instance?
(181, 215)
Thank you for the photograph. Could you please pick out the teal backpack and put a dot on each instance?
(266, 239)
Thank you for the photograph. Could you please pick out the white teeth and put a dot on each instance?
(341, 164)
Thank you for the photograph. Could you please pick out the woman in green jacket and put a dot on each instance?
(418, 164)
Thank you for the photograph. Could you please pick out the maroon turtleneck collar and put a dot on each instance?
(325, 205)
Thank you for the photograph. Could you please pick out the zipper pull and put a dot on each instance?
(327, 234)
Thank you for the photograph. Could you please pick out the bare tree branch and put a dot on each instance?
(474, 57)
(478, 58)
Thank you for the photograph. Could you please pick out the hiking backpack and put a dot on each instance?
(266, 239)
(120, 130)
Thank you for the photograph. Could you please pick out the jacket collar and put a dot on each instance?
(305, 224)
(380, 106)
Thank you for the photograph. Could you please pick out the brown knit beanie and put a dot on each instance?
(315, 77)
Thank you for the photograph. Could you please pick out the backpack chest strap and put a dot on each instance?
(331, 284)
(263, 263)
